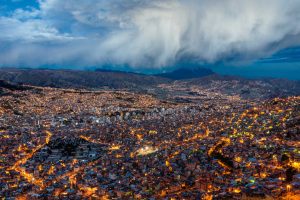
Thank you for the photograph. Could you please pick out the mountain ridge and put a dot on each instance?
(117, 80)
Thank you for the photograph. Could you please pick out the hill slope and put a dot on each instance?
(183, 80)
(80, 79)
(248, 88)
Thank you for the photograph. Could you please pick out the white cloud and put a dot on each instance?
(147, 33)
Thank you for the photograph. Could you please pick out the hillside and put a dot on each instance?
(248, 88)
(181, 81)
(80, 79)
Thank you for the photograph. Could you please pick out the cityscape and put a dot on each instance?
(149, 100)
(80, 144)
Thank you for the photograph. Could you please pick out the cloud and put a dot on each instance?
(149, 33)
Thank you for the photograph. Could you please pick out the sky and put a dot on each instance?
(249, 38)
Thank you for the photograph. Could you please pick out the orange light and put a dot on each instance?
(167, 163)
(238, 159)
(288, 187)
(237, 190)
(296, 165)
(139, 136)
(88, 191)
(163, 193)
(51, 170)
(114, 147)
(263, 175)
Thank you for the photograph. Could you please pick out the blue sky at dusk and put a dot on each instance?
(249, 38)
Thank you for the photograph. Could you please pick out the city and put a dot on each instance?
(64, 143)
(149, 100)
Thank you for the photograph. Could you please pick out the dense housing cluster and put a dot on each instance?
(120, 145)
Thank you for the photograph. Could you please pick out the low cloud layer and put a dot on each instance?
(148, 33)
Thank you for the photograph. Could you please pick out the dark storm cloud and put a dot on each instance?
(153, 33)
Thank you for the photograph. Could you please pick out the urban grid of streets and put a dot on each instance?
(122, 145)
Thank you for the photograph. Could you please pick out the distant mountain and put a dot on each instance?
(81, 79)
(189, 73)
(116, 71)
(204, 79)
